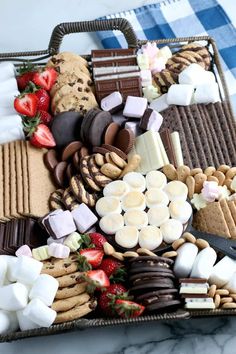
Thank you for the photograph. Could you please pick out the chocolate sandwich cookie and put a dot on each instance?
(51, 160)
(157, 300)
(143, 276)
(70, 149)
(56, 200)
(158, 283)
(87, 177)
(94, 125)
(65, 128)
(151, 260)
(60, 174)
(137, 268)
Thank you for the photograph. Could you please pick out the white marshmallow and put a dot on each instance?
(180, 210)
(45, 289)
(25, 322)
(146, 77)
(158, 215)
(7, 71)
(156, 179)
(184, 261)
(8, 86)
(160, 103)
(176, 190)
(11, 262)
(192, 75)
(207, 93)
(171, 230)
(127, 237)
(204, 263)
(231, 285)
(8, 322)
(181, 95)
(155, 197)
(39, 313)
(27, 269)
(3, 270)
(13, 297)
(222, 271)
(111, 101)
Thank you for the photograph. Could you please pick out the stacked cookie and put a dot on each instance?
(73, 89)
(153, 283)
(189, 54)
(25, 182)
(71, 300)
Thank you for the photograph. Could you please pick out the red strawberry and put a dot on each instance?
(108, 297)
(97, 239)
(25, 75)
(44, 99)
(113, 269)
(99, 277)
(128, 309)
(93, 256)
(45, 78)
(45, 117)
(26, 104)
(42, 137)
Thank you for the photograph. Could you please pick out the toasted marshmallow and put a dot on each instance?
(116, 189)
(171, 230)
(133, 200)
(150, 237)
(108, 205)
(180, 210)
(176, 190)
(155, 197)
(111, 223)
(137, 218)
(136, 181)
(158, 215)
(127, 237)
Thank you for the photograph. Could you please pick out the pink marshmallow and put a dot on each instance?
(58, 250)
(24, 251)
(135, 107)
(150, 49)
(157, 65)
(210, 191)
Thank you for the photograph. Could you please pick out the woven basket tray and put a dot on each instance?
(39, 57)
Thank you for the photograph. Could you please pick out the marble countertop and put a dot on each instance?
(27, 25)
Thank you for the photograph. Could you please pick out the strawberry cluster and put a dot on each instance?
(106, 276)
(33, 103)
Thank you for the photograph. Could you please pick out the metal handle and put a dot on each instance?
(91, 26)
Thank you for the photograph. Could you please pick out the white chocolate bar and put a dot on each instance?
(177, 148)
(163, 151)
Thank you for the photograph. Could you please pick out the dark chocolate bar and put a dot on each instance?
(126, 86)
(166, 139)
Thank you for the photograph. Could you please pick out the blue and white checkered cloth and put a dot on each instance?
(182, 18)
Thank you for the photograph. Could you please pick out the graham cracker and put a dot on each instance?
(6, 180)
(228, 218)
(232, 208)
(25, 178)
(19, 178)
(40, 183)
(13, 194)
(2, 217)
(211, 219)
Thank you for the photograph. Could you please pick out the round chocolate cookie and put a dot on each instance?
(70, 149)
(135, 278)
(160, 261)
(94, 126)
(170, 293)
(124, 140)
(137, 268)
(60, 174)
(50, 159)
(65, 128)
(163, 283)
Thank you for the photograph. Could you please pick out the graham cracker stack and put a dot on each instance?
(25, 182)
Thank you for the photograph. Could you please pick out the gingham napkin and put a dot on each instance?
(182, 18)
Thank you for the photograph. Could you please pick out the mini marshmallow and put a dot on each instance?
(83, 217)
(184, 261)
(224, 193)
(151, 120)
(192, 75)
(27, 269)
(160, 103)
(171, 230)
(7, 71)
(180, 210)
(150, 93)
(24, 251)
(73, 241)
(134, 126)
(60, 224)
(165, 53)
(58, 250)
(207, 93)
(25, 322)
(3, 270)
(13, 297)
(150, 49)
(181, 95)
(41, 253)
(222, 272)
(44, 288)
(58, 240)
(146, 77)
(135, 107)
(9, 85)
(39, 313)
(210, 191)
(112, 102)
(203, 264)
(157, 65)
(8, 322)
(143, 61)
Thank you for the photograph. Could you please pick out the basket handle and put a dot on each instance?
(91, 26)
